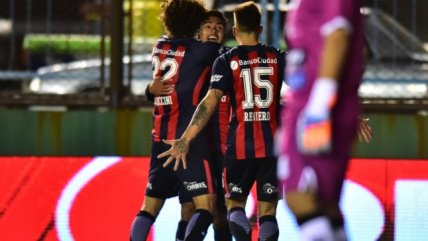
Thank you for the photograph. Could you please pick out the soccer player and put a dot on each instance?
(251, 74)
(212, 29)
(183, 60)
(324, 69)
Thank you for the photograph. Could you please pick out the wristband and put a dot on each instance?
(322, 97)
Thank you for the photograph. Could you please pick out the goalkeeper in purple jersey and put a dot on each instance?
(186, 62)
(251, 74)
(324, 69)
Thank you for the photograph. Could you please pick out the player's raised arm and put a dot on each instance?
(203, 113)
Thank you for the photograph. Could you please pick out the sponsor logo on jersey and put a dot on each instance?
(216, 77)
(233, 64)
(192, 186)
(258, 60)
(169, 52)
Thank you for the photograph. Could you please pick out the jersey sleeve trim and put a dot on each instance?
(334, 24)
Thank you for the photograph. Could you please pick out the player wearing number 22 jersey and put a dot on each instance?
(186, 62)
(252, 76)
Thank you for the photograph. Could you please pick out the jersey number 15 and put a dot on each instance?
(250, 97)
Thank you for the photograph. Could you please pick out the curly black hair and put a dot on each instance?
(182, 18)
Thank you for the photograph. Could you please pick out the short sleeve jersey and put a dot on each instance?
(252, 77)
(186, 62)
(308, 22)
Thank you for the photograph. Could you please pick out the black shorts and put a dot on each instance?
(240, 175)
(196, 180)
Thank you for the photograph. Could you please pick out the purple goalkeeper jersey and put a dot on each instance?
(317, 19)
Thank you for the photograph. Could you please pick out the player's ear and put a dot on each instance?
(260, 30)
(198, 35)
(234, 29)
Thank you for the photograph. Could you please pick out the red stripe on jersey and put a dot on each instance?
(223, 121)
(239, 98)
(209, 177)
(199, 85)
(174, 113)
(259, 141)
(158, 110)
(274, 107)
(157, 113)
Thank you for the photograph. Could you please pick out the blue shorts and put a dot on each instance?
(240, 175)
(194, 181)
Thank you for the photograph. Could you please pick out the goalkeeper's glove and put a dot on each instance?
(314, 127)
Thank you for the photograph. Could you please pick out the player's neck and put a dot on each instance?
(247, 38)
(247, 41)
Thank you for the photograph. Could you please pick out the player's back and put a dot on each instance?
(186, 62)
(252, 76)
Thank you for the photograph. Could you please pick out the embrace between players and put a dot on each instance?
(217, 112)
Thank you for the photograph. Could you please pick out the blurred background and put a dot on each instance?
(99, 48)
(72, 81)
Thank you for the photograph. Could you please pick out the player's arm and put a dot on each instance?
(203, 113)
(158, 87)
(315, 132)
(333, 54)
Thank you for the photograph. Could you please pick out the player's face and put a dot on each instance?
(212, 30)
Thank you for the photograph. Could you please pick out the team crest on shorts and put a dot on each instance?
(269, 189)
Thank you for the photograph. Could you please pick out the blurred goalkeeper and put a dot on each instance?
(324, 69)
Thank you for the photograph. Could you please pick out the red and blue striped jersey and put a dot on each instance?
(186, 62)
(252, 76)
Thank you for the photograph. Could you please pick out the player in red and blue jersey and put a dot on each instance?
(185, 62)
(251, 74)
(212, 29)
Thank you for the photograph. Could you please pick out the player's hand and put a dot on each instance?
(159, 87)
(314, 134)
(314, 127)
(364, 130)
(177, 152)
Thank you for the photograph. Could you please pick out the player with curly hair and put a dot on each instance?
(184, 61)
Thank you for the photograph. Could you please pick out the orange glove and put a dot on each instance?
(314, 127)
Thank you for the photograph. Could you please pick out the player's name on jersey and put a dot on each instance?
(163, 100)
(258, 60)
(257, 116)
(169, 52)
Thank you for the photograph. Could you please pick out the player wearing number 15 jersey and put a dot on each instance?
(252, 77)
